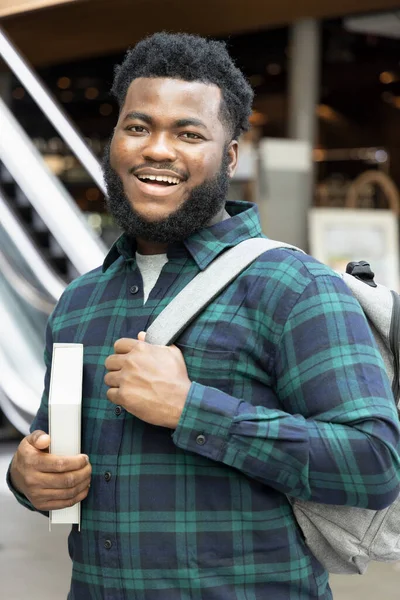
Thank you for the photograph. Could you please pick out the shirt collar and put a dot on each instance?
(124, 246)
(206, 244)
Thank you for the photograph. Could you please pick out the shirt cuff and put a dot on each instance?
(206, 421)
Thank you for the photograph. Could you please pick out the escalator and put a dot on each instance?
(45, 242)
(35, 227)
(28, 292)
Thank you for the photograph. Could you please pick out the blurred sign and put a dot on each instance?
(340, 236)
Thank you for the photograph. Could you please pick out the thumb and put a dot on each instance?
(142, 336)
(39, 440)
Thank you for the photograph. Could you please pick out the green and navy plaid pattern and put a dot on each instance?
(289, 396)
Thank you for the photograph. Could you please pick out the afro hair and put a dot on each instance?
(190, 58)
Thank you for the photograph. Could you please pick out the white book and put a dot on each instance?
(65, 408)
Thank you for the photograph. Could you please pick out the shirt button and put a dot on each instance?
(134, 289)
(107, 475)
(118, 410)
(200, 440)
(107, 544)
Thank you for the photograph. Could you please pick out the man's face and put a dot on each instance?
(169, 162)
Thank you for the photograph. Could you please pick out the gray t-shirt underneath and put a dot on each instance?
(150, 267)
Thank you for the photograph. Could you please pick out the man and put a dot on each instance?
(276, 389)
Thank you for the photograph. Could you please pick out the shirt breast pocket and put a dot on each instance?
(214, 368)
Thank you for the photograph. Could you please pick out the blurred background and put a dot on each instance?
(322, 161)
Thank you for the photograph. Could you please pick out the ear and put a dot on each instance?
(233, 153)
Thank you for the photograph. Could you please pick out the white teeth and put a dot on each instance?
(173, 180)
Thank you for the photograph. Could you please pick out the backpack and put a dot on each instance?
(344, 539)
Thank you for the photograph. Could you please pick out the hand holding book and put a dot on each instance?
(50, 482)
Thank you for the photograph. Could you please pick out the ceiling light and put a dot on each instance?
(91, 93)
(55, 162)
(92, 194)
(381, 156)
(319, 154)
(387, 77)
(326, 112)
(63, 83)
(258, 118)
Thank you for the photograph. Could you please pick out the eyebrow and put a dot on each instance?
(188, 122)
(138, 115)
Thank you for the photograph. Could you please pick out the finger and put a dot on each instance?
(53, 463)
(113, 395)
(142, 336)
(40, 496)
(57, 504)
(38, 439)
(114, 362)
(125, 345)
(112, 379)
(69, 493)
(45, 495)
(62, 481)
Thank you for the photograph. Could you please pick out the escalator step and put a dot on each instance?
(51, 251)
(5, 175)
(9, 188)
(25, 212)
(41, 238)
(60, 264)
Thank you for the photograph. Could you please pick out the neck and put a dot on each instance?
(149, 247)
(146, 247)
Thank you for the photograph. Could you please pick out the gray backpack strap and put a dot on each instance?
(206, 286)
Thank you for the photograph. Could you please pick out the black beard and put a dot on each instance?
(203, 204)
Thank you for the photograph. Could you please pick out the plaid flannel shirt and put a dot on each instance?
(289, 396)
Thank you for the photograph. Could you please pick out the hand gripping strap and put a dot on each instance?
(206, 286)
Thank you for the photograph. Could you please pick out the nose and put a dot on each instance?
(159, 148)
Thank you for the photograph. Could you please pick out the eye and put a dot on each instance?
(136, 128)
(191, 136)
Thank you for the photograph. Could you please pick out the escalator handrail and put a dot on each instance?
(55, 206)
(18, 417)
(23, 288)
(56, 115)
(53, 284)
(14, 351)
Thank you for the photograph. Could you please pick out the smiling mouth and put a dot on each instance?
(161, 180)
